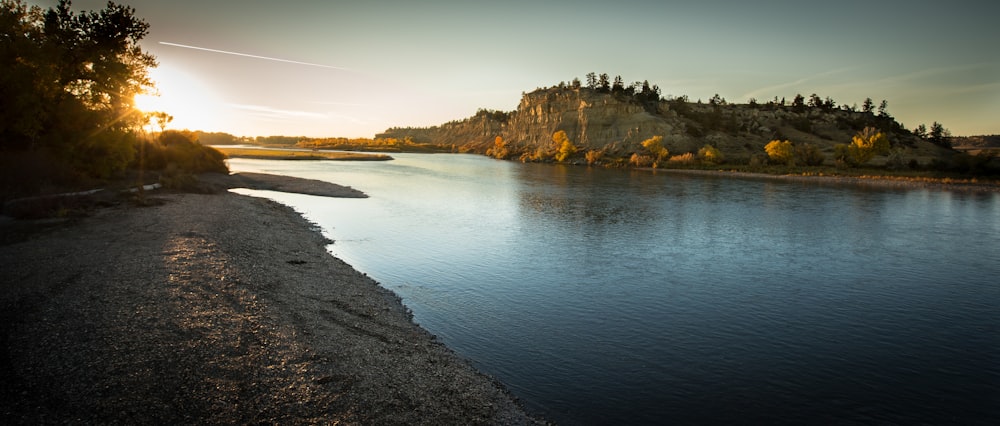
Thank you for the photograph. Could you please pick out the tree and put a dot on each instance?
(710, 154)
(815, 101)
(829, 104)
(920, 131)
(603, 83)
(657, 151)
(499, 149)
(883, 108)
(808, 154)
(780, 152)
(593, 156)
(69, 83)
(591, 80)
(799, 103)
(939, 135)
(564, 147)
(618, 86)
(868, 105)
(160, 119)
(867, 143)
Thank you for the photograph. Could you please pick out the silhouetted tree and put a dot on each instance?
(591, 80)
(799, 103)
(603, 83)
(829, 104)
(69, 81)
(618, 86)
(815, 101)
(939, 135)
(883, 109)
(868, 105)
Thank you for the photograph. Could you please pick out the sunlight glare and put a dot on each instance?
(193, 105)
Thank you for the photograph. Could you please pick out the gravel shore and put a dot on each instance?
(216, 308)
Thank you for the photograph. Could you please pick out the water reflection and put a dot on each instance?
(606, 296)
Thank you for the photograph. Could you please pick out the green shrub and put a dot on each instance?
(809, 155)
(182, 150)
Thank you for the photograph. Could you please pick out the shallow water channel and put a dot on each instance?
(626, 297)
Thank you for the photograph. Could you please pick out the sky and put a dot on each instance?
(355, 68)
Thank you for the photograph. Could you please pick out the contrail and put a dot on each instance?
(251, 56)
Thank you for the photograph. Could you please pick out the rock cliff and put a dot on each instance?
(617, 124)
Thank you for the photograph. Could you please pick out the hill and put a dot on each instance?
(976, 142)
(616, 122)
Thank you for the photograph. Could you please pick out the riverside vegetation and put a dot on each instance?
(68, 121)
(608, 123)
(67, 115)
(619, 125)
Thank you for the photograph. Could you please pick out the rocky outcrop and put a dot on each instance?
(618, 123)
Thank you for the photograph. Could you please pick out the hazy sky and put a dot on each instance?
(355, 68)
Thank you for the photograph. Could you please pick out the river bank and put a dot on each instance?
(873, 181)
(217, 308)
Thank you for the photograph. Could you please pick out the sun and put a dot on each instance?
(192, 104)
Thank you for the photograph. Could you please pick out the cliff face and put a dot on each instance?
(618, 124)
(591, 120)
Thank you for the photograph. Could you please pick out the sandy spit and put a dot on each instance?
(216, 308)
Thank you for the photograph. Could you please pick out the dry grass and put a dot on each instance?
(287, 154)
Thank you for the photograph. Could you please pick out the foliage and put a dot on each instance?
(565, 147)
(279, 140)
(654, 146)
(290, 154)
(594, 156)
(710, 155)
(868, 143)
(181, 151)
(809, 155)
(842, 155)
(69, 83)
(494, 115)
(499, 149)
(217, 138)
(780, 152)
(685, 159)
(939, 135)
(640, 160)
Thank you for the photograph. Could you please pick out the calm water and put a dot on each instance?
(608, 296)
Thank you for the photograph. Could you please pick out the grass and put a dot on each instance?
(288, 154)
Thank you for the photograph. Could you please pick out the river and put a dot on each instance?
(634, 297)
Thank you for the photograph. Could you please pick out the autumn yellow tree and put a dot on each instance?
(781, 152)
(868, 143)
(499, 149)
(565, 147)
(710, 154)
(594, 156)
(657, 151)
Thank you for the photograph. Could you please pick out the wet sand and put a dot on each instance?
(216, 308)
